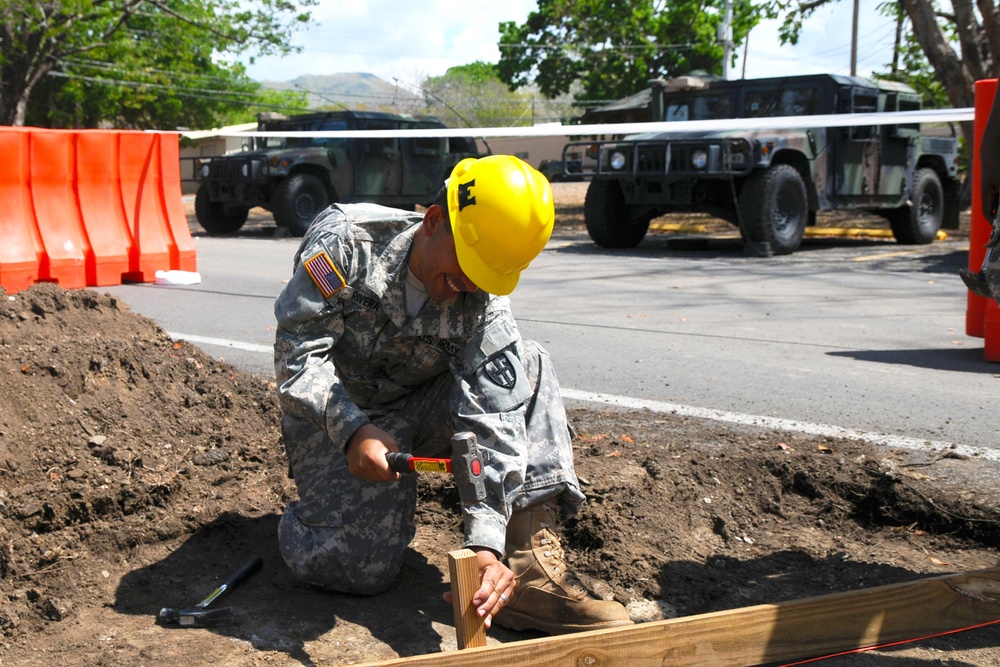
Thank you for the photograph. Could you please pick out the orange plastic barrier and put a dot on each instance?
(183, 255)
(90, 207)
(20, 248)
(57, 215)
(982, 315)
(139, 169)
(101, 208)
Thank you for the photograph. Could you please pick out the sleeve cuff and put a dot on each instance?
(485, 530)
(343, 421)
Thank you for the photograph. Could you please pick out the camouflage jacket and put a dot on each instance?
(345, 349)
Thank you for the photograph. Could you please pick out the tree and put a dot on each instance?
(124, 61)
(910, 65)
(473, 95)
(971, 28)
(615, 48)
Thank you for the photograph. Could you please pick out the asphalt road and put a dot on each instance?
(854, 337)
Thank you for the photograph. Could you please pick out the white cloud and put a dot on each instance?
(409, 40)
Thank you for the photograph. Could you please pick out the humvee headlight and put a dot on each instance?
(205, 171)
(699, 159)
(617, 160)
(245, 170)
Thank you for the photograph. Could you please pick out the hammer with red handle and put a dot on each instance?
(464, 444)
(200, 615)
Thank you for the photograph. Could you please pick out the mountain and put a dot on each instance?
(354, 90)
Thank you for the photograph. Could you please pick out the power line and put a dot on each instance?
(552, 109)
(233, 97)
(202, 94)
(147, 84)
(115, 67)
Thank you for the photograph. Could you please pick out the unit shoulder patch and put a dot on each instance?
(324, 274)
(500, 371)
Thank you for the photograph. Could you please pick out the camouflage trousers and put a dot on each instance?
(348, 534)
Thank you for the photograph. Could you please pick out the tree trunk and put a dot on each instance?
(991, 26)
(958, 81)
(16, 91)
(970, 38)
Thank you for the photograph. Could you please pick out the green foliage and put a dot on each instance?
(153, 64)
(913, 68)
(616, 48)
(473, 96)
(916, 72)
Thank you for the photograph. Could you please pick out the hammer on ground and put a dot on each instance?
(200, 615)
(464, 444)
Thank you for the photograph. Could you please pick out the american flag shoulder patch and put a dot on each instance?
(324, 274)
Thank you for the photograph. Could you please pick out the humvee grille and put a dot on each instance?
(651, 159)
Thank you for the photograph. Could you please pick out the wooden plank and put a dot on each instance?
(464, 583)
(781, 632)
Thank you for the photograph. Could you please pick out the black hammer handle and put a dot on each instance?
(235, 579)
(399, 462)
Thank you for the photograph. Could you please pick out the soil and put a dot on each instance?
(137, 472)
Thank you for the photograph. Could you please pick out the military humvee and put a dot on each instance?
(769, 183)
(295, 178)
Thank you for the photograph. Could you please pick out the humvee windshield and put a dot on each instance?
(699, 107)
(756, 104)
(321, 142)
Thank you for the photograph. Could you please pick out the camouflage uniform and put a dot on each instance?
(347, 354)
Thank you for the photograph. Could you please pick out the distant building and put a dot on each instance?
(207, 143)
(533, 150)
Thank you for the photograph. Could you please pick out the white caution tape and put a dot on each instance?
(553, 130)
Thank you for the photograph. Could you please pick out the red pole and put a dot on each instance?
(982, 317)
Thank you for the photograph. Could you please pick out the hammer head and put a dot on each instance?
(467, 447)
(194, 617)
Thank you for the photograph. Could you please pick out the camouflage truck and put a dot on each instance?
(295, 178)
(770, 183)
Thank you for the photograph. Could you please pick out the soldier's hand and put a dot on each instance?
(366, 451)
(497, 585)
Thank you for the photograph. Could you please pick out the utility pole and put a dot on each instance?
(746, 50)
(726, 37)
(854, 41)
(897, 44)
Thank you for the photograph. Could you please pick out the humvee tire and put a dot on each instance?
(215, 217)
(774, 208)
(919, 222)
(297, 201)
(610, 222)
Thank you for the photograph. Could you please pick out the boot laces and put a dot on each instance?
(552, 550)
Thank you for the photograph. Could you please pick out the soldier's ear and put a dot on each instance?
(433, 218)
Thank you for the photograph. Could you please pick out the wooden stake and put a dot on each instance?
(784, 632)
(464, 571)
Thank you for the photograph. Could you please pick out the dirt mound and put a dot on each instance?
(113, 436)
(136, 471)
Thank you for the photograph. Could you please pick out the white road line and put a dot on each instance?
(823, 430)
(221, 342)
(882, 439)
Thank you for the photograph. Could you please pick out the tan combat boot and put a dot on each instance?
(547, 597)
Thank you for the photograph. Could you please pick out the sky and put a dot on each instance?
(405, 41)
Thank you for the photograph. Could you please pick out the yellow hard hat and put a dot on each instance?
(502, 213)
